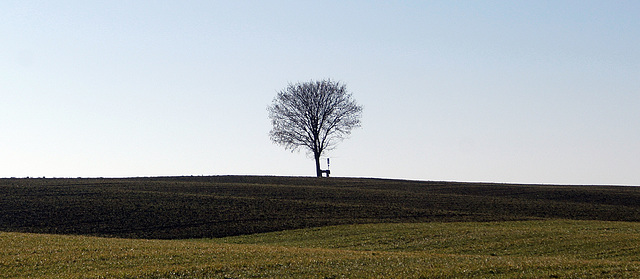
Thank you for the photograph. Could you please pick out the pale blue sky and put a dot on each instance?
(496, 91)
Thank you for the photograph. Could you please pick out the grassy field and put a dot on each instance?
(514, 249)
(284, 227)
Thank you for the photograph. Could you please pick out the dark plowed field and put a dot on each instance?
(195, 207)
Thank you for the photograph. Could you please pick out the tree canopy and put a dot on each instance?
(313, 115)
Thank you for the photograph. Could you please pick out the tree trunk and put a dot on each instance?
(318, 170)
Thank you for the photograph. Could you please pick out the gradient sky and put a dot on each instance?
(494, 91)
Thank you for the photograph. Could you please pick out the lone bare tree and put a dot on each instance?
(314, 115)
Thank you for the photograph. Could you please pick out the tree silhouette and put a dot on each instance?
(315, 115)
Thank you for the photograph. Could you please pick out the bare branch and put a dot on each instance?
(315, 115)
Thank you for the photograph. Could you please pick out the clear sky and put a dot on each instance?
(495, 91)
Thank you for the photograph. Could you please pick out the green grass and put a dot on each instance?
(287, 227)
(520, 249)
(580, 239)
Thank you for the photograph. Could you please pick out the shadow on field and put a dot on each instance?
(218, 206)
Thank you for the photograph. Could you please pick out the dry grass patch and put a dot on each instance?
(532, 249)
